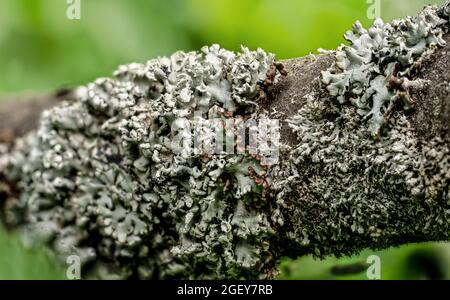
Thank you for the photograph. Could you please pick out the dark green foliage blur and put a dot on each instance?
(41, 49)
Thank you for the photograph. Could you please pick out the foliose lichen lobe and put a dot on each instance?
(100, 179)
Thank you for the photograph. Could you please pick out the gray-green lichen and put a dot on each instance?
(343, 189)
(371, 71)
(100, 180)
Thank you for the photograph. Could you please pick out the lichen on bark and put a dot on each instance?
(101, 179)
(98, 178)
(371, 72)
(348, 188)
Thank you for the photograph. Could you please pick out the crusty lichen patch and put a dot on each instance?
(99, 179)
(345, 191)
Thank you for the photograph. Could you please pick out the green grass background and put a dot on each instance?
(40, 49)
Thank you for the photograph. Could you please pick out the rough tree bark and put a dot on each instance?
(332, 209)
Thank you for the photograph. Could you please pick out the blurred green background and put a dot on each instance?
(41, 49)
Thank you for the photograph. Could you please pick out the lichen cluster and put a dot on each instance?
(345, 190)
(371, 72)
(100, 180)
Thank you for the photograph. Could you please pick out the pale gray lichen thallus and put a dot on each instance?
(99, 180)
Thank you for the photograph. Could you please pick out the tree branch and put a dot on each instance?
(340, 190)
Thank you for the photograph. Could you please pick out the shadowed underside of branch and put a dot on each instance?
(340, 189)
